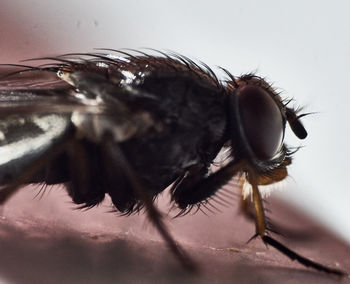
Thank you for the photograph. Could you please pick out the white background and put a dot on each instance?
(303, 47)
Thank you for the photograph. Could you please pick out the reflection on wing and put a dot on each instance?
(38, 110)
(26, 138)
(37, 92)
(35, 115)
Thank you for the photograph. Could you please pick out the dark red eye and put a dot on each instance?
(261, 120)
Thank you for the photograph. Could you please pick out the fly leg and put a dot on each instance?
(141, 193)
(198, 186)
(262, 231)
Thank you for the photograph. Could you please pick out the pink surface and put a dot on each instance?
(44, 241)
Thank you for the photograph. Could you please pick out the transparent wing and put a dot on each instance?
(35, 112)
(38, 110)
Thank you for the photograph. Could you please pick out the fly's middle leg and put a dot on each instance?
(141, 193)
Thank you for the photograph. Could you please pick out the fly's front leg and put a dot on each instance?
(262, 231)
(260, 219)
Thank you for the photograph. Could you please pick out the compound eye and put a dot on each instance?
(261, 120)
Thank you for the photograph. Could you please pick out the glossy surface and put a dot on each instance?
(24, 139)
(261, 120)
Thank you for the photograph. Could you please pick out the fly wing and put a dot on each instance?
(35, 115)
(36, 92)
(26, 138)
(126, 110)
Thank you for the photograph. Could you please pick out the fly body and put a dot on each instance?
(131, 124)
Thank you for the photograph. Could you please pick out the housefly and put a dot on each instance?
(129, 124)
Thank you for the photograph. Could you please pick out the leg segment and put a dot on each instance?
(262, 231)
(141, 193)
(85, 174)
(198, 186)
